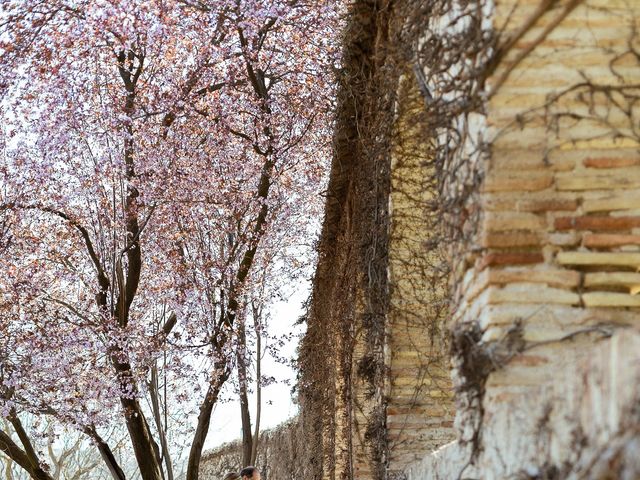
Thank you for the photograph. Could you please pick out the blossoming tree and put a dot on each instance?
(157, 156)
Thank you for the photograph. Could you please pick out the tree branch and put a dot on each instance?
(169, 324)
(103, 280)
(105, 452)
(204, 418)
(24, 438)
(15, 453)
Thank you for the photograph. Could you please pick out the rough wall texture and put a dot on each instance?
(577, 419)
(342, 354)
(546, 334)
(375, 391)
(419, 404)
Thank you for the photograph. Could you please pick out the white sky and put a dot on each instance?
(277, 401)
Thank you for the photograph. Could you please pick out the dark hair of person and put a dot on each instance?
(247, 471)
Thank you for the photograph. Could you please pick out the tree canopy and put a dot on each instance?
(158, 158)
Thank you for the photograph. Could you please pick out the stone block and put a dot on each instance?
(618, 201)
(602, 223)
(510, 239)
(602, 143)
(520, 159)
(602, 180)
(611, 162)
(610, 299)
(506, 314)
(509, 258)
(521, 181)
(531, 293)
(529, 202)
(503, 221)
(500, 201)
(547, 205)
(607, 279)
(623, 259)
(552, 277)
(569, 239)
(609, 240)
(580, 156)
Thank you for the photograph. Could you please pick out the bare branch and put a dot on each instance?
(15, 453)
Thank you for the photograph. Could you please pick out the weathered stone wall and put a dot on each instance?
(419, 404)
(281, 455)
(375, 390)
(342, 354)
(546, 332)
(575, 418)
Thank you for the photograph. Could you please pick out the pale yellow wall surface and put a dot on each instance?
(420, 406)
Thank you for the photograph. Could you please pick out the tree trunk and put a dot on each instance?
(144, 447)
(256, 433)
(204, 420)
(130, 66)
(241, 360)
(155, 405)
(107, 455)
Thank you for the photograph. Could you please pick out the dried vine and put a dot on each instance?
(341, 356)
(451, 52)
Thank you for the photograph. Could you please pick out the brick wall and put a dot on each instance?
(419, 407)
(550, 281)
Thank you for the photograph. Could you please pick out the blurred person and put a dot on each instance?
(250, 473)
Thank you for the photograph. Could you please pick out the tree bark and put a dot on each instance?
(144, 447)
(155, 405)
(141, 440)
(256, 433)
(204, 420)
(241, 361)
(24, 438)
(107, 455)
